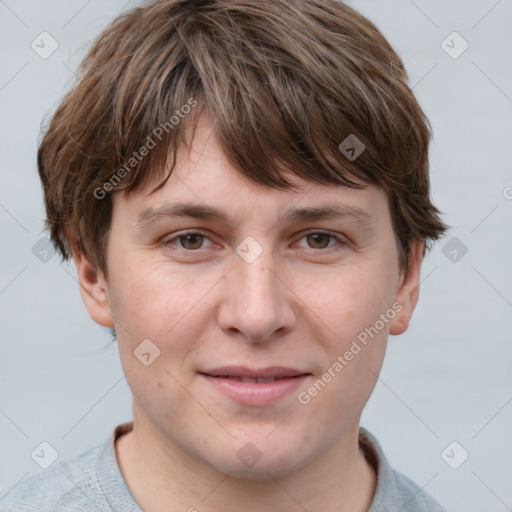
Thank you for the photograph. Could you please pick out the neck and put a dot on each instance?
(162, 477)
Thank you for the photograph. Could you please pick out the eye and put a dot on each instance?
(191, 241)
(320, 240)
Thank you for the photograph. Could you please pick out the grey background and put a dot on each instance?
(446, 379)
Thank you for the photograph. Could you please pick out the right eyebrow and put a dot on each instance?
(196, 211)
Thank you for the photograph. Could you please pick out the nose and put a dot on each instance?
(257, 303)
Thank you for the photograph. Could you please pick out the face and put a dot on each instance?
(249, 329)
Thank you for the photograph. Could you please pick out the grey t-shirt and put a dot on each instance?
(93, 481)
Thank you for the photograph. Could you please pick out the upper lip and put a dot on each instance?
(254, 373)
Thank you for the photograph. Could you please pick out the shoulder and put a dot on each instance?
(394, 490)
(411, 497)
(70, 485)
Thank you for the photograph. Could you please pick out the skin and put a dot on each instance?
(300, 304)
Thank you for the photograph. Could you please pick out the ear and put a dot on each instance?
(409, 288)
(93, 286)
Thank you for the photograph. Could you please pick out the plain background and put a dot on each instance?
(446, 379)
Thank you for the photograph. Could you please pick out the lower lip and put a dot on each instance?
(256, 393)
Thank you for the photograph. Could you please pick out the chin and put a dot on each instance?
(260, 471)
(251, 463)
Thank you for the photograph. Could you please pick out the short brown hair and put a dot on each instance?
(285, 82)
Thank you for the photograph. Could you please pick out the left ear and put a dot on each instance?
(409, 289)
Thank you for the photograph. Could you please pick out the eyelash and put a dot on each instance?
(339, 240)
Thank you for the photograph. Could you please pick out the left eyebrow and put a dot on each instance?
(331, 212)
(199, 211)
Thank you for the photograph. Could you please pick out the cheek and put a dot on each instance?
(351, 300)
(156, 325)
(357, 308)
(153, 300)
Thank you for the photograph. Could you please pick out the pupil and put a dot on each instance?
(191, 239)
(318, 236)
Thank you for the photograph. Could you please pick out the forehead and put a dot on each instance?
(204, 184)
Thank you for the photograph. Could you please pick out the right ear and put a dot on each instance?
(93, 285)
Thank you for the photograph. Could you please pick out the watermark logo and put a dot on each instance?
(44, 45)
(454, 249)
(44, 455)
(454, 45)
(146, 352)
(43, 250)
(249, 455)
(352, 147)
(249, 250)
(454, 455)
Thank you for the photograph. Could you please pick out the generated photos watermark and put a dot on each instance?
(357, 345)
(137, 156)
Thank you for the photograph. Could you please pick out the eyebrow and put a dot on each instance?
(199, 211)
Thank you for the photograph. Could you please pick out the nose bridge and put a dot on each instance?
(257, 282)
(256, 303)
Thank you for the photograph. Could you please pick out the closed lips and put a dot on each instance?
(255, 387)
(243, 374)
(250, 379)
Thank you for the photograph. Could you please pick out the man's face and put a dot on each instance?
(257, 293)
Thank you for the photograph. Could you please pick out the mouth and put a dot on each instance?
(245, 374)
(252, 386)
(250, 379)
